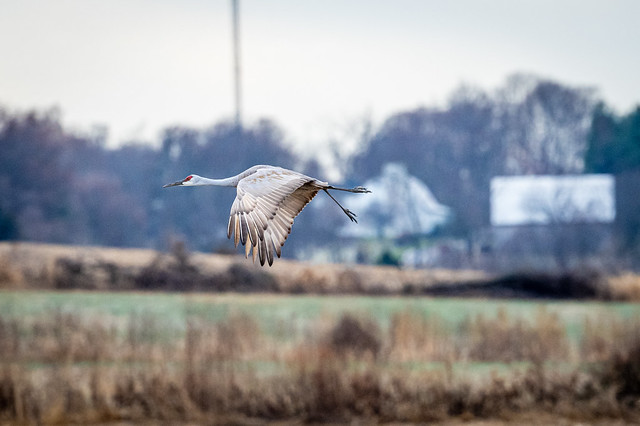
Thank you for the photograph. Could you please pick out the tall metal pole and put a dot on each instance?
(236, 62)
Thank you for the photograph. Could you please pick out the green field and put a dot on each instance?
(271, 311)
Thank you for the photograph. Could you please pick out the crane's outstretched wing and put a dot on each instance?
(266, 204)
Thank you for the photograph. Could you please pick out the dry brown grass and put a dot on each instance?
(61, 368)
(625, 286)
(43, 266)
(65, 367)
(29, 265)
(413, 337)
(506, 339)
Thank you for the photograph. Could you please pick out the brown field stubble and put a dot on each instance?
(63, 367)
(45, 266)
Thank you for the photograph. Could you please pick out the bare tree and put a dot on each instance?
(563, 228)
(545, 125)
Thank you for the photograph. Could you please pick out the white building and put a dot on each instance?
(399, 205)
(540, 200)
(550, 221)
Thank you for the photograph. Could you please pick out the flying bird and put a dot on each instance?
(268, 199)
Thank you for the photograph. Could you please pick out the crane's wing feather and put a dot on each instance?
(266, 204)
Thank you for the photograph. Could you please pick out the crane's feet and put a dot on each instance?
(360, 190)
(351, 215)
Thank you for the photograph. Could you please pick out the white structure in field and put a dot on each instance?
(546, 200)
(551, 221)
(399, 205)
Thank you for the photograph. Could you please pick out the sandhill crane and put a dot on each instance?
(268, 199)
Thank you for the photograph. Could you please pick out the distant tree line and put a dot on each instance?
(529, 126)
(614, 147)
(613, 141)
(60, 186)
(57, 186)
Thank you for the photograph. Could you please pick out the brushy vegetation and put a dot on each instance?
(62, 367)
(35, 266)
(68, 357)
(177, 273)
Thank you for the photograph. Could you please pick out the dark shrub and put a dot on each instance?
(623, 372)
(352, 335)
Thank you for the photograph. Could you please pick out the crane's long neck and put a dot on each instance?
(231, 181)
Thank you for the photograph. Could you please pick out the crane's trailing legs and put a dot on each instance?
(358, 190)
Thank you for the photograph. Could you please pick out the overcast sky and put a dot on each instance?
(314, 67)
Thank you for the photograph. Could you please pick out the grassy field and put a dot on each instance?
(81, 344)
(292, 318)
(269, 310)
(94, 357)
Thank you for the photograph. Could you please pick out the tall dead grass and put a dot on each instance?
(625, 286)
(62, 367)
(38, 266)
(507, 339)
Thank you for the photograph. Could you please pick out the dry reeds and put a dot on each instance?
(507, 339)
(42, 266)
(64, 367)
(625, 286)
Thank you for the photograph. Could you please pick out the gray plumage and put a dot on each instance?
(267, 201)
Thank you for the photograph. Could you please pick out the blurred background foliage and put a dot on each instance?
(61, 186)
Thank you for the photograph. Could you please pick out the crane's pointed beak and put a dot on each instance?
(180, 182)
